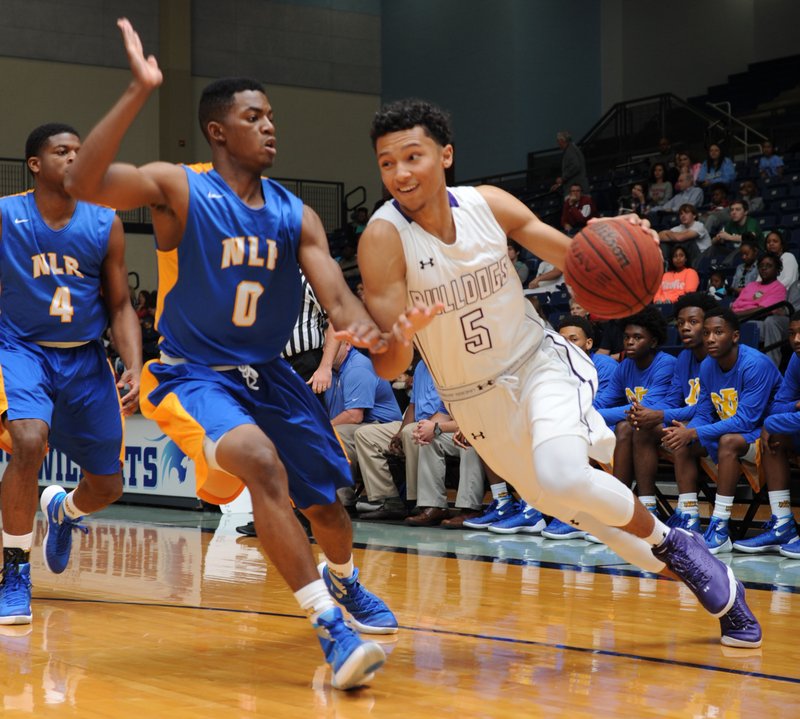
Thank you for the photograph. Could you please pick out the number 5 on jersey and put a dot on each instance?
(61, 305)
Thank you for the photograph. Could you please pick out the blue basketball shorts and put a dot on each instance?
(193, 402)
(73, 391)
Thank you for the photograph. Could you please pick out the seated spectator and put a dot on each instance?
(765, 291)
(513, 255)
(717, 285)
(689, 234)
(717, 201)
(143, 304)
(660, 189)
(648, 423)
(548, 278)
(357, 396)
(747, 271)
(716, 219)
(634, 202)
(789, 273)
(578, 209)
(716, 169)
(678, 279)
(360, 217)
(737, 386)
(683, 163)
(150, 339)
(644, 377)
(687, 194)
(580, 332)
(769, 164)
(748, 191)
(725, 243)
(780, 438)
(665, 155)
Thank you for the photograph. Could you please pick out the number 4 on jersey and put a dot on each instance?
(61, 306)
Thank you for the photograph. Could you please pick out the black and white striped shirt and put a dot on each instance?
(309, 330)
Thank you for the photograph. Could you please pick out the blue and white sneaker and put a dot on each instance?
(771, 539)
(689, 522)
(368, 613)
(15, 590)
(525, 521)
(494, 513)
(717, 537)
(57, 542)
(561, 530)
(791, 550)
(352, 660)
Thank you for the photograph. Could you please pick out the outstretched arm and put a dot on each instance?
(125, 328)
(93, 177)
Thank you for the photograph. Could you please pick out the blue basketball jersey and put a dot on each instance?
(783, 416)
(229, 293)
(685, 391)
(51, 279)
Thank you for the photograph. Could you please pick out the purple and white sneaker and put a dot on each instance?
(739, 626)
(711, 581)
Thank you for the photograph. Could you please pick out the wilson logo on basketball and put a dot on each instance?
(609, 236)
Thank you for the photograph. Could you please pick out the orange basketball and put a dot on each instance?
(613, 268)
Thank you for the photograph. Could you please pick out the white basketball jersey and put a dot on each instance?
(487, 323)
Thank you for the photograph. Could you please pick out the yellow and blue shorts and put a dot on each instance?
(193, 403)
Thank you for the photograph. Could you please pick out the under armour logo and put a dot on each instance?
(480, 435)
(422, 263)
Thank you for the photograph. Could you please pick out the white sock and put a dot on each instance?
(722, 507)
(70, 508)
(18, 541)
(781, 503)
(687, 504)
(648, 501)
(659, 533)
(314, 599)
(500, 493)
(341, 570)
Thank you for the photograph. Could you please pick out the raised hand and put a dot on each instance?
(145, 70)
(365, 335)
(413, 320)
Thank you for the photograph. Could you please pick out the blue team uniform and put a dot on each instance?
(356, 386)
(51, 293)
(684, 392)
(228, 299)
(784, 418)
(606, 366)
(734, 402)
(649, 387)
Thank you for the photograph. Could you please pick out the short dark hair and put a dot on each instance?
(688, 207)
(408, 113)
(40, 135)
(743, 203)
(749, 239)
(652, 320)
(775, 257)
(728, 316)
(700, 300)
(217, 99)
(576, 321)
(795, 317)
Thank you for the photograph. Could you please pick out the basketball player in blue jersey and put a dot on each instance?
(64, 278)
(780, 440)
(436, 270)
(737, 386)
(231, 245)
(679, 404)
(580, 332)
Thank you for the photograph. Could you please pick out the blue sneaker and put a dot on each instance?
(561, 530)
(739, 626)
(689, 522)
(527, 520)
(57, 542)
(716, 536)
(494, 513)
(771, 539)
(686, 555)
(352, 660)
(15, 590)
(791, 550)
(368, 613)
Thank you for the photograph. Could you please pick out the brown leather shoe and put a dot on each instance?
(392, 508)
(428, 517)
(457, 522)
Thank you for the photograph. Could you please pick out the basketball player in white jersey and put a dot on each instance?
(435, 269)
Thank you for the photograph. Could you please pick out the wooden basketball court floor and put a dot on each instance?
(168, 613)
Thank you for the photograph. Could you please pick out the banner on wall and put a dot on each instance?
(153, 464)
